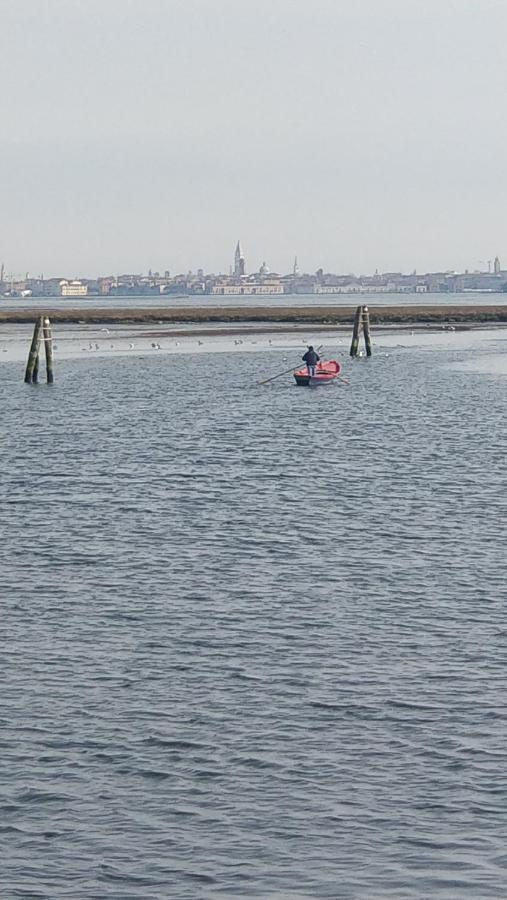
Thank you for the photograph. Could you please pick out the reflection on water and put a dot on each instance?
(254, 638)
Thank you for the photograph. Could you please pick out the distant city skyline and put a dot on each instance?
(358, 135)
(246, 281)
(239, 266)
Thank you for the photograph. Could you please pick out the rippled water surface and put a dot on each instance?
(150, 301)
(254, 639)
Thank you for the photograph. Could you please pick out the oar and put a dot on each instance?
(266, 380)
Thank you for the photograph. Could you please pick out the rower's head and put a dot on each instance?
(310, 347)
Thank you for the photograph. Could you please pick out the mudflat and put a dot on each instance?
(319, 315)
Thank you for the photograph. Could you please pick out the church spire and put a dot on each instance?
(239, 261)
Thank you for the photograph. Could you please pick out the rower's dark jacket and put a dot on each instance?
(311, 358)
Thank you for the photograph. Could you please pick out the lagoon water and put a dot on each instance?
(254, 639)
(170, 301)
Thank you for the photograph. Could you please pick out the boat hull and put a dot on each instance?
(313, 380)
(325, 373)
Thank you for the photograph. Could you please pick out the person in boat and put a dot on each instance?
(311, 359)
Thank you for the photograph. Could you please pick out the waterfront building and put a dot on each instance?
(475, 281)
(73, 288)
(248, 287)
(353, 288)
(262, 282)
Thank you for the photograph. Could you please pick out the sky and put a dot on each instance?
(152, 134)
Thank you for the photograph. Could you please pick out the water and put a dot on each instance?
(255, 638)
(159, 301)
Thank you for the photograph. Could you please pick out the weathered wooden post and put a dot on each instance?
(32, 365)
(358, 322)
(366, 330)
(35, 373)
(48, 343)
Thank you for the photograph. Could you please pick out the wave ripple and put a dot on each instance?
(254, 639)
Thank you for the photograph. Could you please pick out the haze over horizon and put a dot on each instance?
(154, 134)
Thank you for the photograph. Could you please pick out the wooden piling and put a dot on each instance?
(48, 344)
(358, 321)
(32, 365)
(366, 330)
(35, 373)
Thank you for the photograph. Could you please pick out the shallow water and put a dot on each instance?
(254, 638)
(468, 298)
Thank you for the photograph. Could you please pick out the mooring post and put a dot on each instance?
(355, 333)
(366, 329)
(48, 343)
(32, 365)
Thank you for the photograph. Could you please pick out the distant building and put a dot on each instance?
(73, 288)
(353, 288)
(248, 287)
(496, 266)
(239, 262)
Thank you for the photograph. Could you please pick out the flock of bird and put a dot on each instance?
(238, 342)
(123, 344)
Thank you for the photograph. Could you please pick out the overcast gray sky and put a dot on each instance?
(356, 134)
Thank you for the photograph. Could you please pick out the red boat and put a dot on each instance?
(325, 372)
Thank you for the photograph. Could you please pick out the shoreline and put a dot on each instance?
(142, 340)
(266, 315)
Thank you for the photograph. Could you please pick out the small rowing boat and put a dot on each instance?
(325, 372)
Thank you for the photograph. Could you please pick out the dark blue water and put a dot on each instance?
(254, 639)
